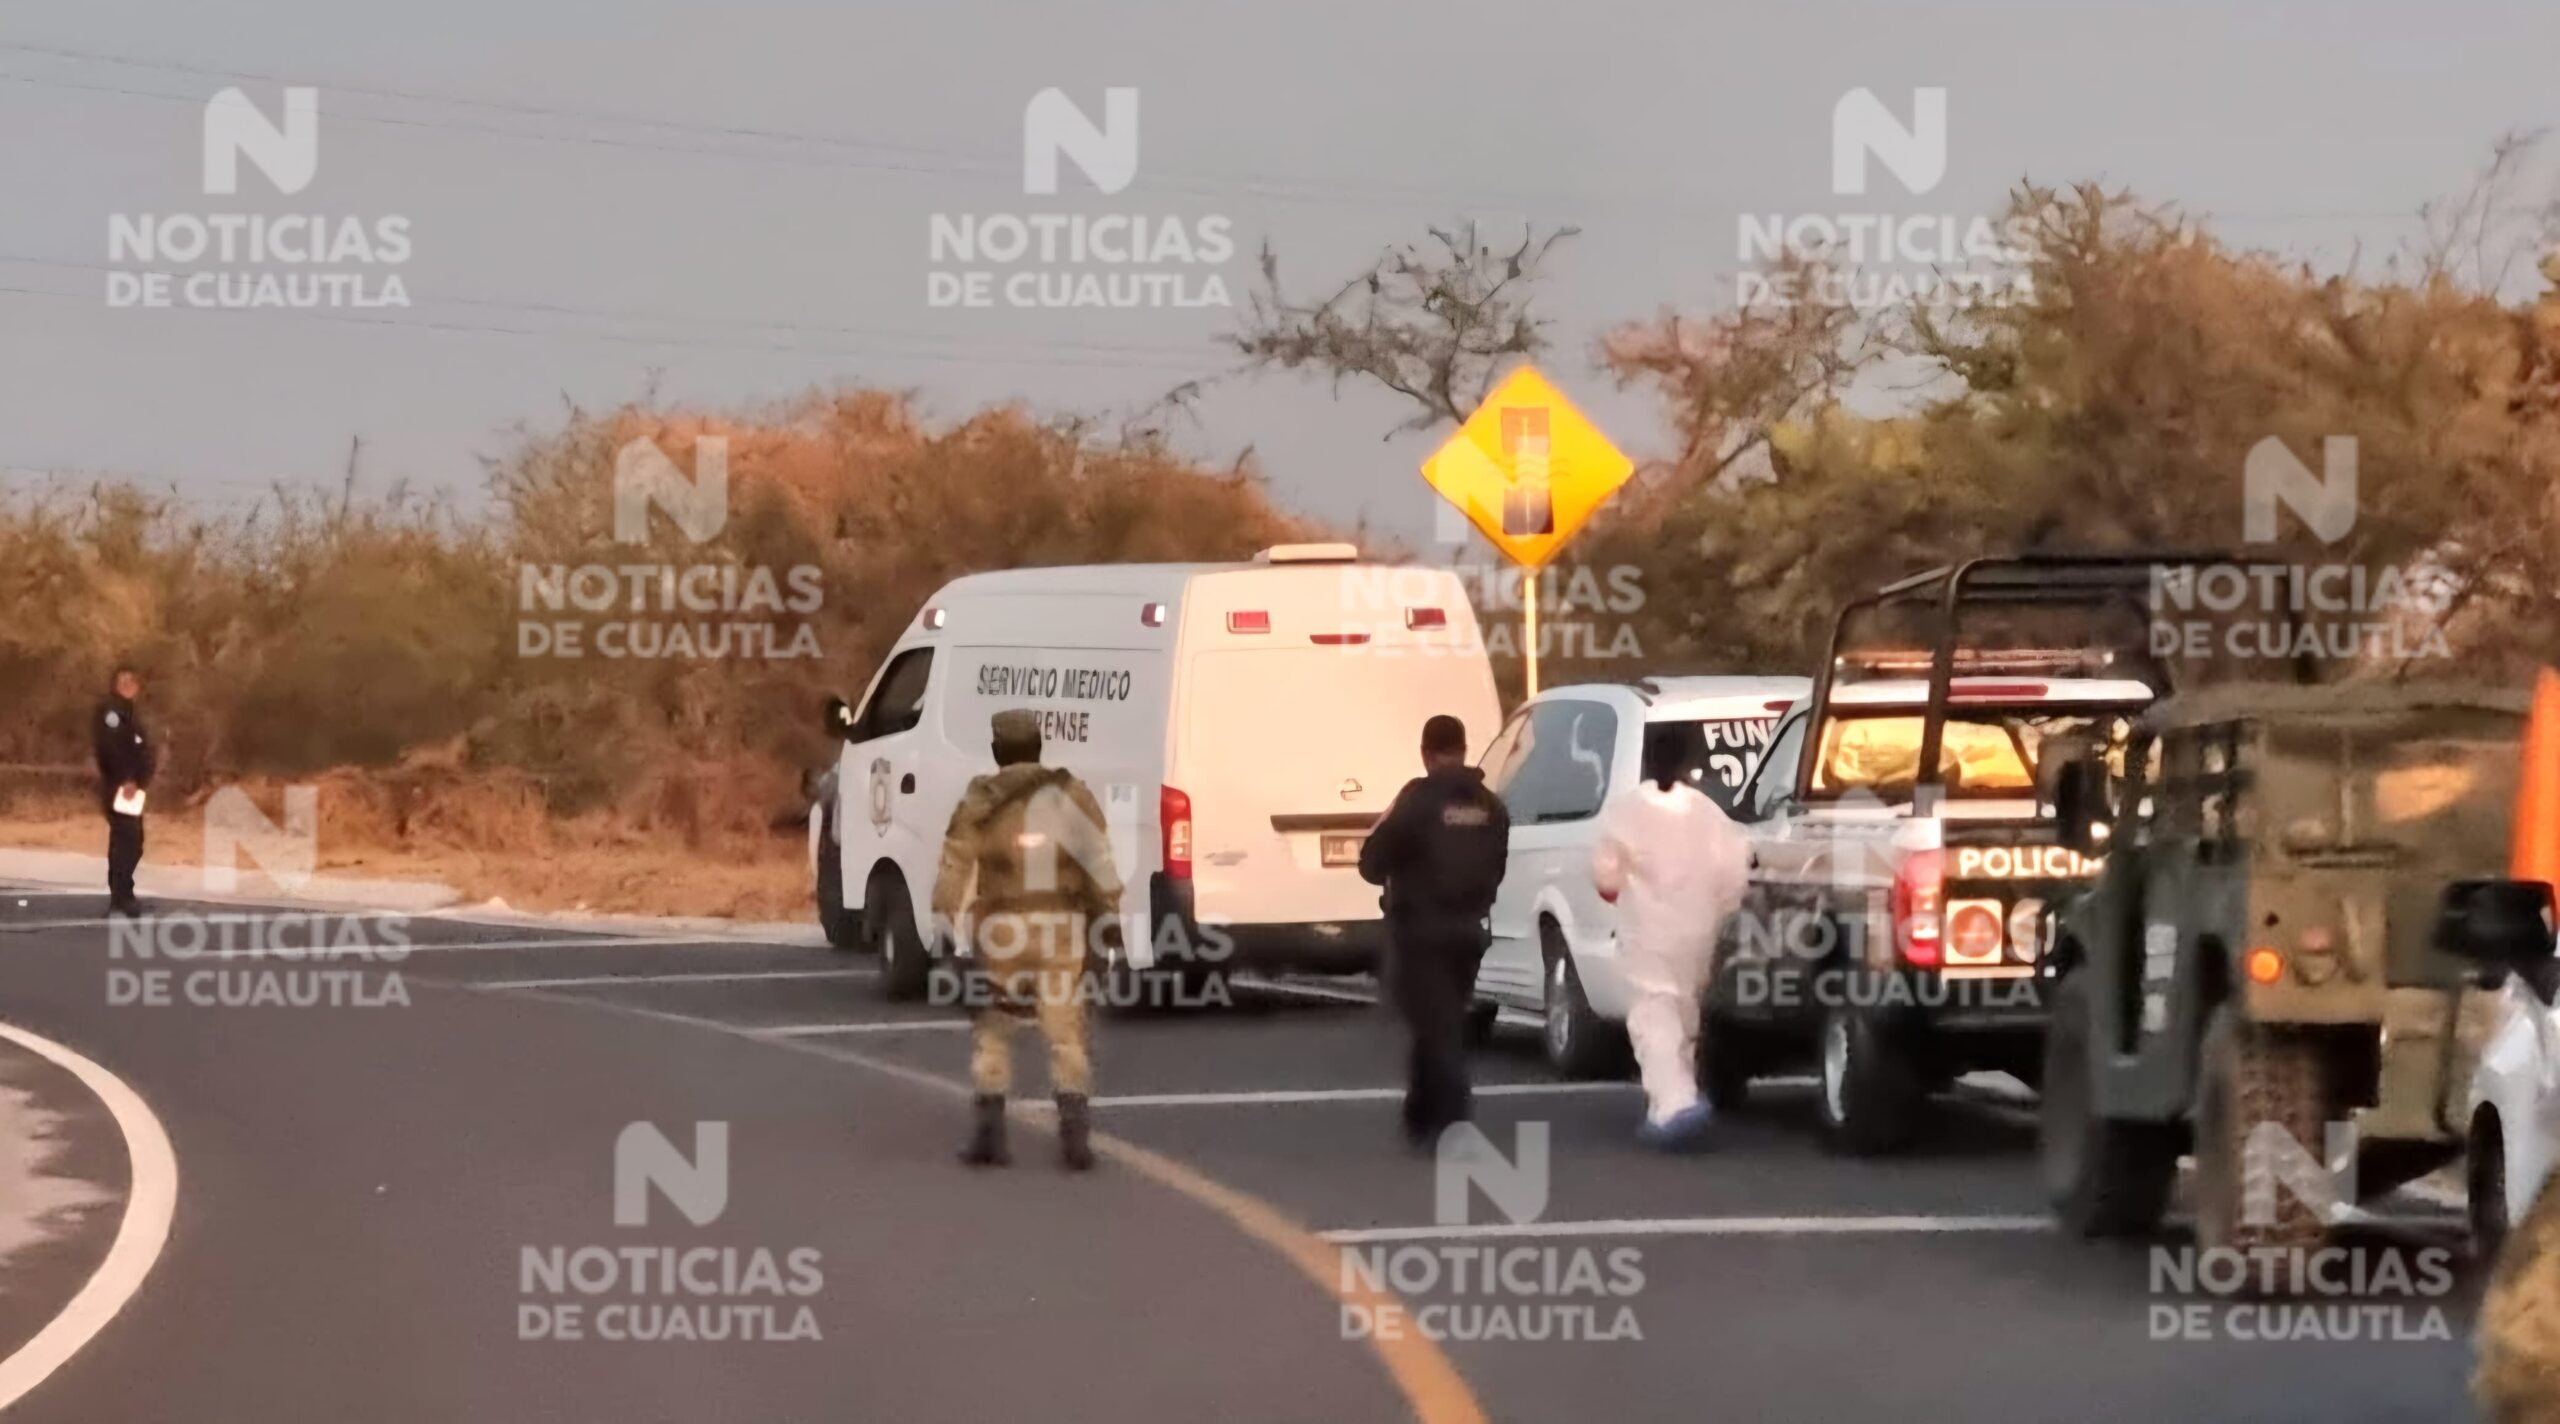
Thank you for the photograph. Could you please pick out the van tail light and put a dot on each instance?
(1426, 618)
(1918, 902)
(1173, 812)
(1249, 621)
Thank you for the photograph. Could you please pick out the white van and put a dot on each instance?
(1557, 764)
(1243, 725)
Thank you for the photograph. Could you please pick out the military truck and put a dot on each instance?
(2259, 951)
(1895, 914)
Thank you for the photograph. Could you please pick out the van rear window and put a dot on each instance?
(1717, 755)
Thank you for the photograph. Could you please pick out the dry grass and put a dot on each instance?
(487, 841)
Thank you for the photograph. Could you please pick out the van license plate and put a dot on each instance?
(1342, 850)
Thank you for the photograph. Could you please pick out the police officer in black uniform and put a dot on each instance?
(124, 765)
(1439, 851)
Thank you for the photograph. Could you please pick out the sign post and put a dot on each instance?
(1528, 470)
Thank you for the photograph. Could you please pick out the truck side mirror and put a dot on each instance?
(839, 719)
(2505, 926)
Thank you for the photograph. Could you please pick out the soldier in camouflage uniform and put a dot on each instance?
(2519, 1377)
(1026, 875)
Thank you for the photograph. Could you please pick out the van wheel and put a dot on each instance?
(2249, 1075)
(2485, 1175)
(2104, 1177)
(1872, 1098)
(1579, 1043)
(904, 964)
(843, 927)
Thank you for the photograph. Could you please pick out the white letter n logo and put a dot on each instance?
(1052, 124)
(642, 475)
(289, 155)
(643, 1158)
(1861, 125)
(1468, 1158)
(2326, 501)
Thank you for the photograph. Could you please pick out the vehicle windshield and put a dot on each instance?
(1717, 755)
(1985, 753)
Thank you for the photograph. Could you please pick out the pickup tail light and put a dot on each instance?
(1173, 812)
(1918, 903)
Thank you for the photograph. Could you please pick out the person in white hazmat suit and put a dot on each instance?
(1675, 866)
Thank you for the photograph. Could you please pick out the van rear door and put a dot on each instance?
(1290, 754)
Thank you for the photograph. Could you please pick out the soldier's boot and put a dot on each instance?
(986, 1144)
(1075, 1132)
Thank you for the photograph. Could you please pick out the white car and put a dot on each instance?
(2514, 1134)
(1242, 726)
(1556, 763)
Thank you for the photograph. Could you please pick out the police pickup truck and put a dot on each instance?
(1901, 871)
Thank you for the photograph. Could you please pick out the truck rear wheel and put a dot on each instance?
(1872, 1099)
(842, 926)
(1725, 1065)
(905, 965)
(2104, 1176)
(2250, 1075)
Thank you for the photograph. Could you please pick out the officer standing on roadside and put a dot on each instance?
(124, 771)
(1439, 852)
(1026, 877)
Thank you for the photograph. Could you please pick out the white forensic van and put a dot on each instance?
(1243, 725)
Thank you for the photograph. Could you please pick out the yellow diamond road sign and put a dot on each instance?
(1527, 468)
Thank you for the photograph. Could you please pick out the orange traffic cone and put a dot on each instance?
(2537, 830)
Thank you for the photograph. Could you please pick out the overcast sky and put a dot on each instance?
(737, 196)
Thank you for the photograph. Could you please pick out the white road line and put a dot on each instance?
(52, 894)
(189, 916)
(371, 953)
(1342, 1095)
(1311, 991)
(149, 1204)
(592, 980)
(1699, 1226)
(822, 1030)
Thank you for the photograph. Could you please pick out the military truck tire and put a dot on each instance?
(1871, 1098)
(905, 964)
(2485, 1177)
(2248, 1074)
(1578, 1042)
(2104, 1176)
(843, 928)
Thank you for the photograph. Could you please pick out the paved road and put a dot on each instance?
(361, 1187)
